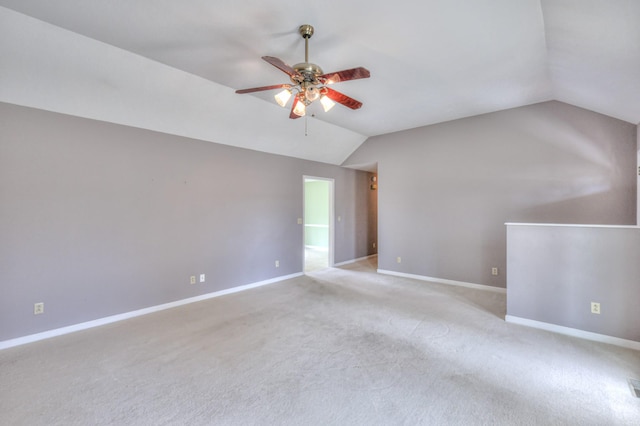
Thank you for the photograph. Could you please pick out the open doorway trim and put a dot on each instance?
(331, 248)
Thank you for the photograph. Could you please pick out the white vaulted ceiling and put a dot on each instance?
(174, 66)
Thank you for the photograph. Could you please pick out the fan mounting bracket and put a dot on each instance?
(306, 31)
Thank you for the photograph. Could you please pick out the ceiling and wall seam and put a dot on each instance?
(487, 57)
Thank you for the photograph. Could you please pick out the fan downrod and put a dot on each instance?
(308, 70)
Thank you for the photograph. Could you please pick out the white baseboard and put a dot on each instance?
(603, 338)
(444, 281)
(127, 315)
(354, 260)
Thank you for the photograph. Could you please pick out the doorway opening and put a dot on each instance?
(318, 223)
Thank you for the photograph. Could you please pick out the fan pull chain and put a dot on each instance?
(306, 133)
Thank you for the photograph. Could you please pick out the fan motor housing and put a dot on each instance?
(308, 70)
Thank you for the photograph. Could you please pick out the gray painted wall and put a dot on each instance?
(98, 219)
(446, 190)
(555, 272)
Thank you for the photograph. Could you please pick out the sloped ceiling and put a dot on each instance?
(173, 66)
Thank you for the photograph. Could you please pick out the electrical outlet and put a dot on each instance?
(192, 279)
(494, 271)
(299, 221)
(201, 278)
(277, 263)
(38, 308)
(595, 307)
(399, 259)
(374, 245)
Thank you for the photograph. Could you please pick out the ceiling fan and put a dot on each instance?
(309, 82)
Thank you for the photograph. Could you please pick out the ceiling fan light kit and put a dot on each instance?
(309, 83)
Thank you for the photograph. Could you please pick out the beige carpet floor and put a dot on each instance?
(315, 259)
(341, 346)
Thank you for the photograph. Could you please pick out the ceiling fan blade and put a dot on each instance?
(260, 89)
(345, 75)
(341, 98)
(278, 63)
(293, 106)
